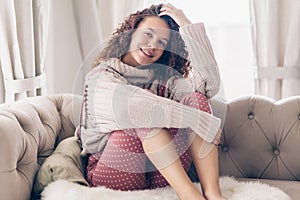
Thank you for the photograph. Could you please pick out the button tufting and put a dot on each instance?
(276, 152)
(250, 115)
(299, 116)
(225, 148)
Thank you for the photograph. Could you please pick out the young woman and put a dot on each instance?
(145, 118)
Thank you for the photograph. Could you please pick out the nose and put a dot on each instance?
(152, 44)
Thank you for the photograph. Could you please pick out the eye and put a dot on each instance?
(148, 34)
(162, 43)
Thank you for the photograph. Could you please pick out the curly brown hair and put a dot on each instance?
(175, 54)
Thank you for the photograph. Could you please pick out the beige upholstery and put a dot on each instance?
(29, 131)
(260, 139)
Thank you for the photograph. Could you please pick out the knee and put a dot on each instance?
(196, 100)
(197, 95)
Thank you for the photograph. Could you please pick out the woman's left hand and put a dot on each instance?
(177, 14)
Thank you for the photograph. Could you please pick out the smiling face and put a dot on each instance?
(148, 42)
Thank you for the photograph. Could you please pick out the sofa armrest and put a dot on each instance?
(30, 130)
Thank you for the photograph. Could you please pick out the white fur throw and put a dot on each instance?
(231, 190)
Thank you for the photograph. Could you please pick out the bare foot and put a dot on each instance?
(191, 195)
(214, 196)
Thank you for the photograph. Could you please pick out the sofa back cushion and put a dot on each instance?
(260, 137)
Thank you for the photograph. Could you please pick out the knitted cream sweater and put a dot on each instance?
(114, 99)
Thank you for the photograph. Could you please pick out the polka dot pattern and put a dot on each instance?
(123, 164)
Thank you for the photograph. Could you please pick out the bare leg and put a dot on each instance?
(174, 173)
(207, 169)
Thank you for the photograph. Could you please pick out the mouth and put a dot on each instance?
(147, 53)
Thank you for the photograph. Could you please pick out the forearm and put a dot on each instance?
(133, 107)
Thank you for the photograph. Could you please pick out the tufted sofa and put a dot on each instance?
(260, 140)
(29, 132)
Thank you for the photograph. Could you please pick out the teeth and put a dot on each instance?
(148, 54)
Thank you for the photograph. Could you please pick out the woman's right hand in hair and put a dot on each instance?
(175, 13)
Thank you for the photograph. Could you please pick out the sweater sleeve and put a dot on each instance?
(205, 77)
(114, 105)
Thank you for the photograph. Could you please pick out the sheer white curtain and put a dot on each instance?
(23, 39)
(78, 28)
(276, 41)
